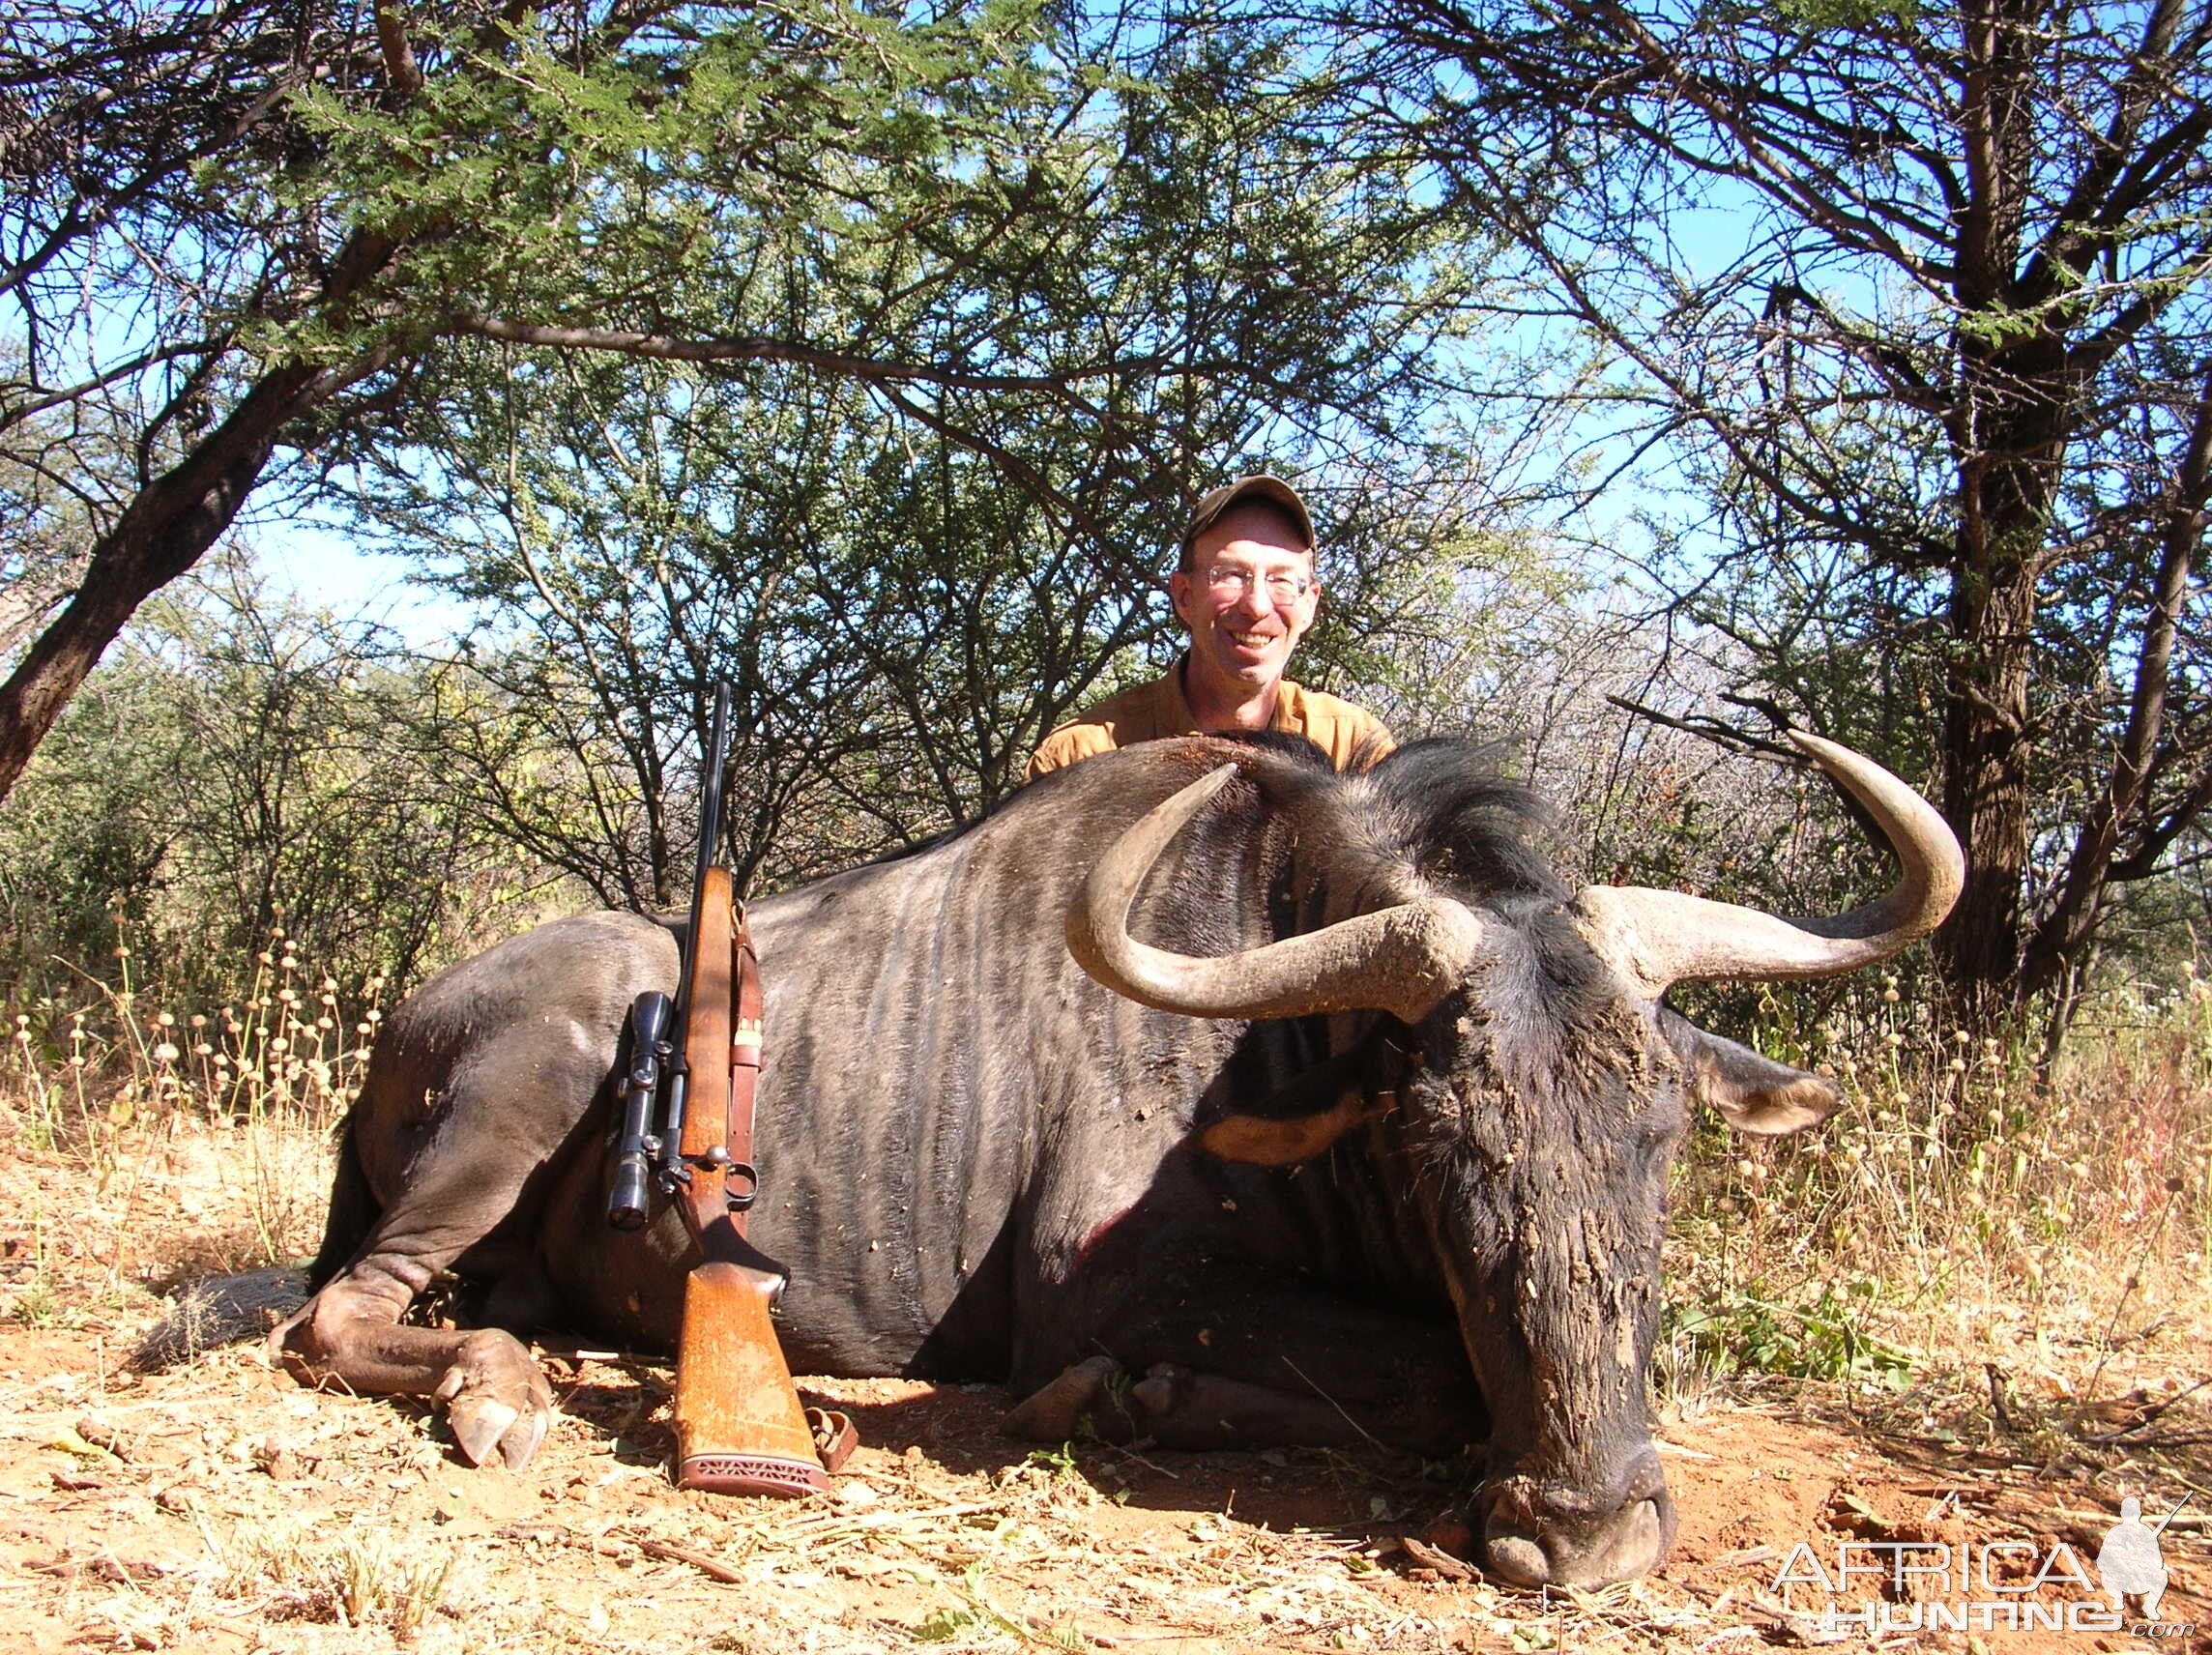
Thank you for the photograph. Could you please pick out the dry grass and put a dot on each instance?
(2035, 1241)
(105, 1086)
(283, 1045)
(1974, 1281)
(357, 1575)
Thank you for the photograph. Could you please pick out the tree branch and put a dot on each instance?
(2071, 921)
(756, 348)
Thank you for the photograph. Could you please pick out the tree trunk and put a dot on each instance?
(2118, 808)
(163, 532)
(172, 521)
(1987, 747)
(2009, 434)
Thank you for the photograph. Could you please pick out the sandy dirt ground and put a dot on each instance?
(217, 1506)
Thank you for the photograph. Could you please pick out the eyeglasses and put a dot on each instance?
(1281, 585)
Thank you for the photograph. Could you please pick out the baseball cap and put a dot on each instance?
(1272, 489)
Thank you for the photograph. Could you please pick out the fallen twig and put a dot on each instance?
(1433, 1558)
(2151, 1415)
(1999, 1411)
(711, 1567)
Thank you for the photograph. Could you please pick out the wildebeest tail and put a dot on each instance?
(353, 1213)
(215, 1311)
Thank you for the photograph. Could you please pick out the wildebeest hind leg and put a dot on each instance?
(1176, 1407)
(1183, 1407)
(1228, 1362)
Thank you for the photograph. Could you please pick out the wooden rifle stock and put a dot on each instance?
(739, 1427)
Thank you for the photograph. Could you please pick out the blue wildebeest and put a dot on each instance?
(1314, 1102)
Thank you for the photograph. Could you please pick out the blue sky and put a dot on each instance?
(323, 569)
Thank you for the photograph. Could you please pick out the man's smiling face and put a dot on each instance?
(1246, 591)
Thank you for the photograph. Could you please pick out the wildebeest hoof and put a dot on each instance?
(496, 1400)
(1054, 1412)
(484, 1427)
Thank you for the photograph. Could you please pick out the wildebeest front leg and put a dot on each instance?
(1229, 1363)
(496, 1398)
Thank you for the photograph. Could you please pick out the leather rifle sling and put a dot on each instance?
(834, 1436)
(744, 1063)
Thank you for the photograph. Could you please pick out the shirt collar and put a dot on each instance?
(1176, 718)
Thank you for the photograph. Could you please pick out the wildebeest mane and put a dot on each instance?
(1288, 744)
(1460, 819)
(1443, 804)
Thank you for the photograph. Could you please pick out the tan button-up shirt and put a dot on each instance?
(1157, 709)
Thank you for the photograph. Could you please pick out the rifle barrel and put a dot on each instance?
(675, 1082)
(716, 760)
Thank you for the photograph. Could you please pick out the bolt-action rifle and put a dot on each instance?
(688, 1131)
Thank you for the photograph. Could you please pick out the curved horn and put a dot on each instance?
(1401, 960)
(1654, 938)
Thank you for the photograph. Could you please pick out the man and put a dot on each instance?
(1246, 591)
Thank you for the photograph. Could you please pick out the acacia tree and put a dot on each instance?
(245, 236)
(902, 627)
(630, 535)
(911, 589)
(1914, 295)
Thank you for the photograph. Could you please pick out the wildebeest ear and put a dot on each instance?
(1298, 1119)
(1259, 1141)
(1754, 1093)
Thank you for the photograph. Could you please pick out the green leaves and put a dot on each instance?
(540, 174)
